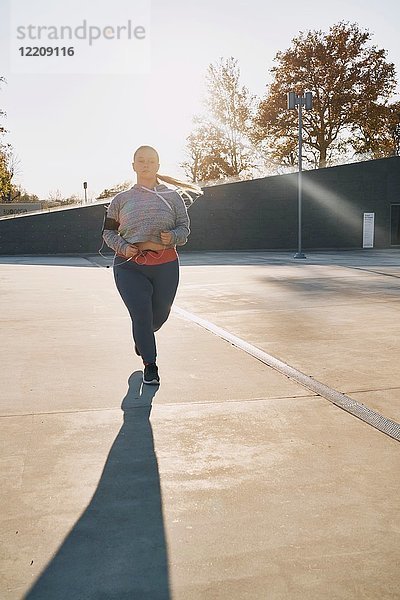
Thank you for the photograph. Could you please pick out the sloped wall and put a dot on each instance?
(257, 214)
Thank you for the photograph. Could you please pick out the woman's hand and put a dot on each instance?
(131, 251)
(166, 238)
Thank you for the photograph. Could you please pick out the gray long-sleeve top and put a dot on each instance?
(142, 215)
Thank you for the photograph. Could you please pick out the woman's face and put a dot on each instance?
(146, 163)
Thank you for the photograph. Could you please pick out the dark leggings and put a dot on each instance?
(148, 292)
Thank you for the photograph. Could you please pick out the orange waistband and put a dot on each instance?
(153, 257)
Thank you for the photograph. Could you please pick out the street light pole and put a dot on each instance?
(299, 253)
(294, 100)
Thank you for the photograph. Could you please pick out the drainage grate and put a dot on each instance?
(373, 418)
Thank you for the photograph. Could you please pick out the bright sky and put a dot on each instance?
(68, 128)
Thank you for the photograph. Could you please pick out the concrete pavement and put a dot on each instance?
(229, 480)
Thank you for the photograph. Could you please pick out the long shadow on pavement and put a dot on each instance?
(117, 549)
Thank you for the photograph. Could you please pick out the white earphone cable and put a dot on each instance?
(141, 253)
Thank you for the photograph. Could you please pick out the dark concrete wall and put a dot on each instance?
(263, 213)
(68, 231)
(257, 214)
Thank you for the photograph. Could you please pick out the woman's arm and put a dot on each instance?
(181, 231)
(110, 229)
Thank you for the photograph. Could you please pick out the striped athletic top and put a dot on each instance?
(142, 215)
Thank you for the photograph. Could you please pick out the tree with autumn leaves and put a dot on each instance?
(220, 145)
(352, 85)
(8, 164)
(5, 179)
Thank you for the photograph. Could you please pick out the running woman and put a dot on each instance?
(143, 226)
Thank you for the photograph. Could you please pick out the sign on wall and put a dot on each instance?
(18, 208)
(368, 230)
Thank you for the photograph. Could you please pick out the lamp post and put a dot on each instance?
(85, 188)
(294, 100)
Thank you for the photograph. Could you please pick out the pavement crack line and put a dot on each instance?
(357, 409)
(373, 271)
(147, 405)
